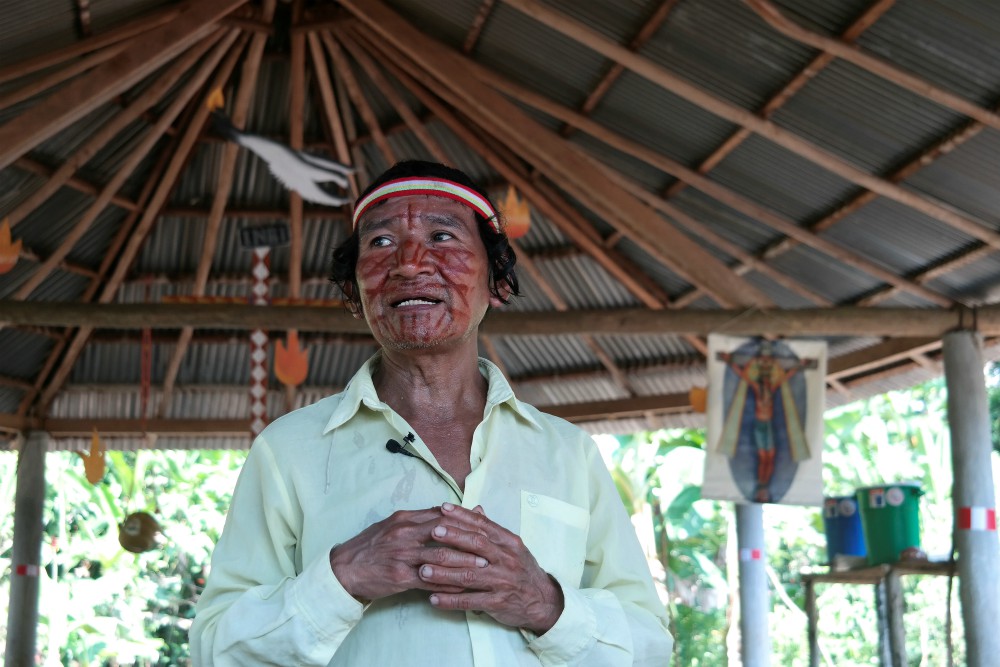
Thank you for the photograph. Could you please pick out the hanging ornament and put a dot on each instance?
(260, 295)
(698, 396)
(216, 100)
(93, 462)
(291, 362)
(516, 213)
(9, 250)
(137, 533)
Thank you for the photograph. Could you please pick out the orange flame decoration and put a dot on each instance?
(93, 463)
(517, 214)
(291, 363)
(216, 100)
(9, 251)
(699, 398)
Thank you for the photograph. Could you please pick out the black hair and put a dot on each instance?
(499, 254)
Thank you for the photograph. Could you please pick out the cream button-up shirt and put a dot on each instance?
(322, 474)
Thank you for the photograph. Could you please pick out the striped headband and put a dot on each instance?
(425, 185)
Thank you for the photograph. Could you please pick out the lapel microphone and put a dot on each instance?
(394, 447)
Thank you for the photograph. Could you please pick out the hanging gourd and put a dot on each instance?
(137, 533)
(516, 213)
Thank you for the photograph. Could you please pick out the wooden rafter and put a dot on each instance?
(858, 57)
(556, 157)
(478, 23)
(395, 99)
(86, 93)
(74, 182)
(710, 187)
(164, 186)
(139, 26)
(224, 183)
(150, 96)
(643, 35)
(329, 105)
(40, 85)
(792, 142)
(296, 132)
(125, 170)
(345, 75)
(778, 100)
(836, 321)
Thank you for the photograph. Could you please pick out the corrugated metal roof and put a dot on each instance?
(954, 44)
(721, 46)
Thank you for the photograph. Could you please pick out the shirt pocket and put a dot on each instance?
(555, 533)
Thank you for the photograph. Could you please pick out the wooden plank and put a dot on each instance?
(856, 56)
(143, 24)
(329, 104)
(149, 215)
(143, 56)
(40, 85)
(478, 23)
(635, 406)
(150, 96)
(837, 321)
(560, 160)
(708, 186)
(224, 183)
(70, 238)
(646, 68)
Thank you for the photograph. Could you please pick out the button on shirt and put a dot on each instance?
(322, 474)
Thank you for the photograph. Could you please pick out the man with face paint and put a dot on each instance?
(424, 516)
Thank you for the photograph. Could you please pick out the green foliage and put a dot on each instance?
(101, 605)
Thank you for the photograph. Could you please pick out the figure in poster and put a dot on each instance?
(764, 417)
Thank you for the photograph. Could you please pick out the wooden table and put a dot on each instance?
(889, 602)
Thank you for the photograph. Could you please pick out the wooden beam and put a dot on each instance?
(308, 213)
(778, 100)
(74, 182)
(661, 76)
(395, 99)
(41, 84)
(60, 427)
(636, 406)
(559, 159)
(150, 96)
(708, 186)
(645, 33)
(329, 103)
(224, 184)
(164, 186)
(346, 76)
(141, 25)
(838, 321)
(126, 169)
(478, 23)
(856, 56)
(88, 92)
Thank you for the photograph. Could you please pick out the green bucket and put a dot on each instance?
(890, 519)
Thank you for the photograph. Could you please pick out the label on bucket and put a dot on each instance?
(894, 496)
(876, 498)
(847, 507)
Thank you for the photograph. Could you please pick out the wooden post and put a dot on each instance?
(755, 641)
(29, 498)
(895, 608)
(882, 614)
(973, 497)
(811, 621)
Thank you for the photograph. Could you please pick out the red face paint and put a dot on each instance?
(422, 272)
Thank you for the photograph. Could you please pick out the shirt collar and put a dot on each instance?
(361, 389)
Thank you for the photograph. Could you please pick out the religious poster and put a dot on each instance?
(764, 430)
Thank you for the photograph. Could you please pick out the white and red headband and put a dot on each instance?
(427, 185)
